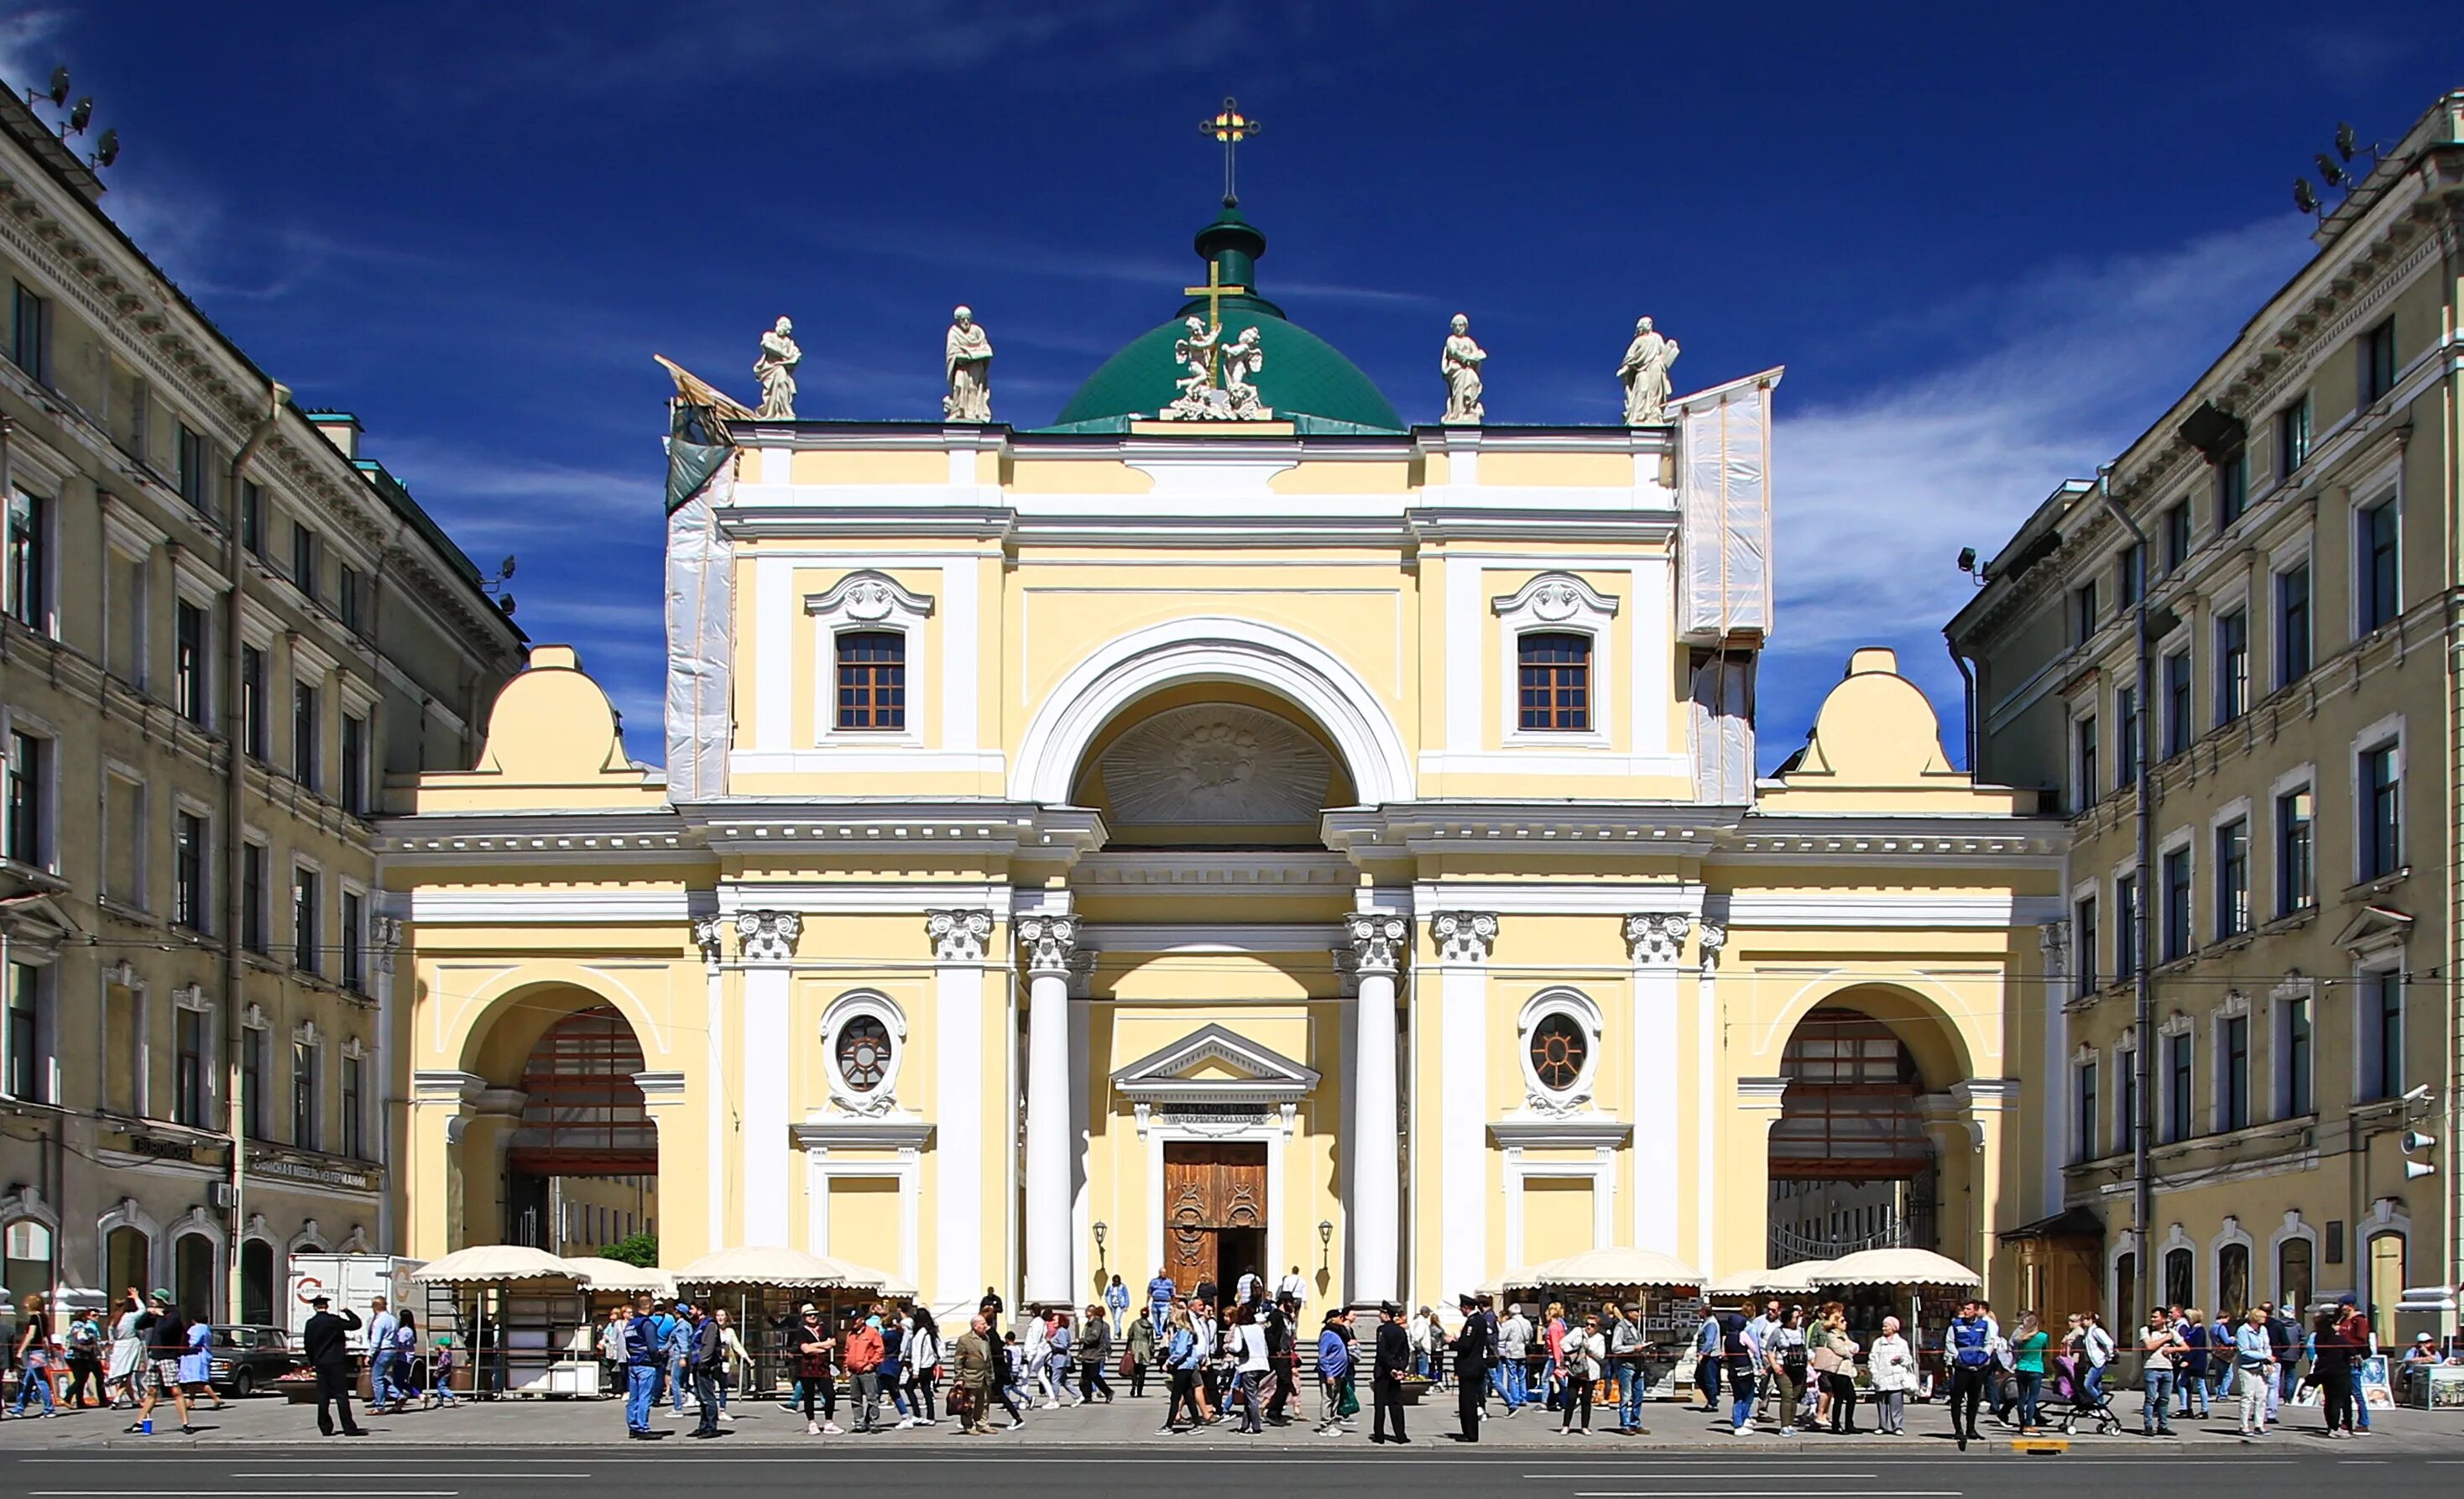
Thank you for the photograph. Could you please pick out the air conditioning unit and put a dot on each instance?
(226, 1196)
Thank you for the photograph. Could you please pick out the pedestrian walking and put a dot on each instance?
(1839, 1379)
(2159, 1345)
(197, 1363)
(2191, 1373)
(325, 1342)
(1708, 1356)
(1786, 1364)
(1392, 1359)
(676, 1332)
(34, 1357)
(2331, 1371)
(1139, 1342)
(709, 1353)
(892, 1369)
(1011, 1387)
(646, 1353)
(977, 1357)
(1160, 1293)
(405, 1353)
(1509, 1379)
(1282, 1358)
(1337, 1403)
(733, 1356)
(2028, 1362)
(1254, 1366)
(1475, 1350)
(2353, 1326)
(1094, 1347)
(2253, 1356)
(923, 1364)
(1968, 1356)
(124, 1376)
(1586, 1359)
(1747, 1357)
(440, 1373)
(1182, 1360)
(381, 1326)
(990, 1309)
(1891, 1365)
(85, 1344)
(167, 1342)
(1117, 1304)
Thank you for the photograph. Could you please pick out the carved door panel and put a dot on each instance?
(1209, 1188)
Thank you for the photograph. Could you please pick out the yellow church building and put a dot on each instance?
(1258, 835)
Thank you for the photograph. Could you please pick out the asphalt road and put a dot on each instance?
(1430, 1469)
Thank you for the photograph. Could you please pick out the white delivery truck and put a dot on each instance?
(354, 1281)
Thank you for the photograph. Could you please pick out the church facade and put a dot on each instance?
(1241, 842)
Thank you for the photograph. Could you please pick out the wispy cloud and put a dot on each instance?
(27, 44)
(2053, 374)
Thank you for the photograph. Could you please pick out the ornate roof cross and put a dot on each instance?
(1215, 290)
(1231, 127)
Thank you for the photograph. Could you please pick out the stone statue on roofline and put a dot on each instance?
(776, 370)
(967, 364)
(1242, 358)
(1461, 364)
(1644, 370)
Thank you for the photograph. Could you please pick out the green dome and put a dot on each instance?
(1304, 378)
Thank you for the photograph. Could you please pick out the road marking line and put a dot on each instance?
(250, 1494)
(363, 1473)
(1770, 1493)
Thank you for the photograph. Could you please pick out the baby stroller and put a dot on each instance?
(2081, 1400)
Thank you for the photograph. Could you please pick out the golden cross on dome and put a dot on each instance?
(1231, 127)
(1215, 290)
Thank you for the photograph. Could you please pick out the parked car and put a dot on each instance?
(249, 1359)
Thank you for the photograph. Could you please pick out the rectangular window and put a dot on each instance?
(30, 1070)
(196, 471)
(2177, 703)
(2125, 735)
(2232, 489)
(305, 724)
(354, 790)
(251, 517)
(189, 1068)
(2232, 878)
(31, 340)
(348, 585)
(2126, 926)
(2234, 1106)
(2083, 612)
(252, 701)
(354, 1145)
(29, 774)
(2125, 1069)
(2083, 945)
(2292, 438)
(253, 1050)
(303, 1095)
(2381, 809)
(303, 560)
(252, 923)
(2177, 536)
(2375, 358)
(2083, 787)
(29, 579)
(2298, 1101)
(2083, 1131)
(354, 952)
(2232, 665)
(188, 872)
(2293, 624)
(2176, 874)
(2130, 575)
(191, 655)
(2377, 571)
(872, 679)
(2177, 1088)
(1554, 681)
(2296, 881)
(2382, 1035)
(306, 928)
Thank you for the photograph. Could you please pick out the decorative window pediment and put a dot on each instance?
(1555, 599)
(868, 598)
(1214, 1065)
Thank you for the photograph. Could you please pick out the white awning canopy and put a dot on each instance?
(1889, 1267)
(604, 1274)
(483, 1263)
(1788, 1280)
(1615, 1266)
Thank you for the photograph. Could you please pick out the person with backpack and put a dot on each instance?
(1967, 1353)
(709, 1353)
(1745, 1356)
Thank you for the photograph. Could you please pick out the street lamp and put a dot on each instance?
(1325, 1238)
(1099, 1244)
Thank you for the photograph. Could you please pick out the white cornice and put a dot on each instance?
(1560, 897)
(1871, 909)
(1567, 1132)
(1222, 936)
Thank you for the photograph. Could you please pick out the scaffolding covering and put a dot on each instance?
(1724, 451)
(1723, 727)
(700, 603)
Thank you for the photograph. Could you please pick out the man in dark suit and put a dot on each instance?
(324, 1342)
(1475, 1353)
(1394, 1361)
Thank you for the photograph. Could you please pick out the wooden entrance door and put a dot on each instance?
(1215, 1202)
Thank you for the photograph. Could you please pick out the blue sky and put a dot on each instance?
(1990, 243)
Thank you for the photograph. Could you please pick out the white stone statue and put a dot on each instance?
(1646, 373)
(1461, 365)
(776, 370)
(1242, 358)
(967, 364)
(1194, 351)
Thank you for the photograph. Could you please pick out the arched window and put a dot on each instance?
(29, 1244)
(2126, 1310)
(2293, 1273)
(128, 1257)
(2386, 1277)
(1553, 679)
(872, 679)
(192, 1276)
(2181, 1278)
(2233, 1282)
(256, 1282)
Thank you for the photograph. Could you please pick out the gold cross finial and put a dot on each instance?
(1231, 127)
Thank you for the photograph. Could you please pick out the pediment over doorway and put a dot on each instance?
(1214, 1065)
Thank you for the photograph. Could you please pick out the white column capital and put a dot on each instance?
(959, 936)
(709, 934)
(1464, 936)
(1048, 941)
(1658, 937)
(1377, 941)
(768, 936)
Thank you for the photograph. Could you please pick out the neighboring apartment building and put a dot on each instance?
(2300, 575)
(171, 936)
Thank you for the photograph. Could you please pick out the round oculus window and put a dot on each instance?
(1559, 1050)
(864, 1052)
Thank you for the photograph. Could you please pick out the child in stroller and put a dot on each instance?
(2080, 1399)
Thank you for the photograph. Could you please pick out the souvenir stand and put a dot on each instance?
(1919, 1287)
(523, 1314)
(609, 1284)
(763, 1285)
(1664, 1291)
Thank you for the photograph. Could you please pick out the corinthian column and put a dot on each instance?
(1378, 943)
(1047, 942)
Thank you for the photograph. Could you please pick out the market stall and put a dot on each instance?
(1662, 1292)
(1922, 1288)
(763, 1285)
(523, 1314)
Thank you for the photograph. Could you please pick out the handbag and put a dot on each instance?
(963, 1401)
(1347, 1402)
(1128, 1363)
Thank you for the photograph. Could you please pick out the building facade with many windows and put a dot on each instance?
(2292, 541)
(208, 666)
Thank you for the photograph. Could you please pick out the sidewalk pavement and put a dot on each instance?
(524, 1422)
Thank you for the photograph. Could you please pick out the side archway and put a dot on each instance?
(1211, 650)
